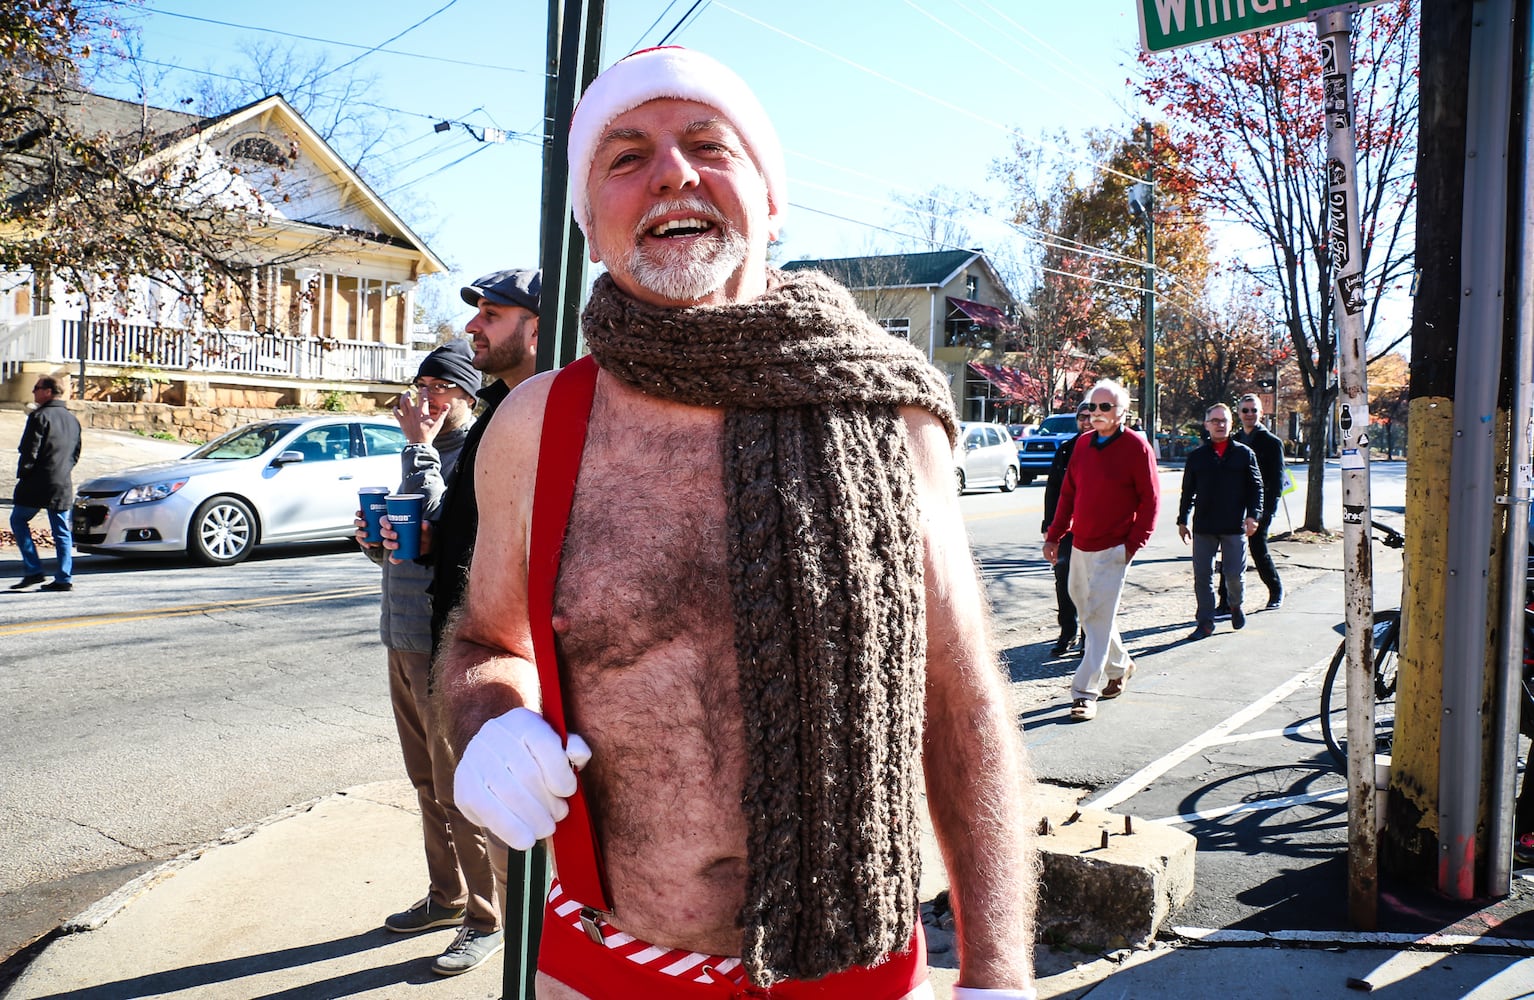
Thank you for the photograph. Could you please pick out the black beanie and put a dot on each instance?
(452, 362)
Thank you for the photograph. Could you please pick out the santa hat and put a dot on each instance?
(683, 74)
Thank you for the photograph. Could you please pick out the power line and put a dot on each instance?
(678, 26)
(941, 102)
(328, 41)
(386, 41)
(658, 18)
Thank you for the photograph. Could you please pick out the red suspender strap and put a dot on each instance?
(559, 461)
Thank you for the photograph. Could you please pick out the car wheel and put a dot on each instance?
(959, 475)
(1009, 480)
(222, 533)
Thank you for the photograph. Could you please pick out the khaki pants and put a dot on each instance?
(1097, 582)
(465, 869)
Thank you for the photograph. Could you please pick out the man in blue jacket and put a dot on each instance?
(1222, 487)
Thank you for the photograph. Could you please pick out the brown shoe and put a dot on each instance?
(1115, 686)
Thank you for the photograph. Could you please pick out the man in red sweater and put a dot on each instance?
(1108, 502)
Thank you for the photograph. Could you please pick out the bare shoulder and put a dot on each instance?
(931, 461)
(512, 436)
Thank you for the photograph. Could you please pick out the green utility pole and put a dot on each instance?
(1142, 200)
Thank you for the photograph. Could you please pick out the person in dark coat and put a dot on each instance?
(1222, 488)
(50, 447)
(1270, 460)
(1066, 608)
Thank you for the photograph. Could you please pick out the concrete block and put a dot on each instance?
(1096, 897)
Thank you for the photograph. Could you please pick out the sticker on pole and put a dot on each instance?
(1353, 513)
(1352, 458)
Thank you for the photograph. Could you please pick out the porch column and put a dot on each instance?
(311, 283)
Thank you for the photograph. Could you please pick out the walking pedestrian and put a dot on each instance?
(50, 448)
(1065, 608)
(1222, 488)
(1270, 461)
(1108, 500)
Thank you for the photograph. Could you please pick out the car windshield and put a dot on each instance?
(246, 442)
(1060, 423)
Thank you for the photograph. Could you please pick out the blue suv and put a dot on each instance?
(1036, 453)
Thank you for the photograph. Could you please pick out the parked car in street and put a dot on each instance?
(284, 480)
(986, 456)
(1036, 453)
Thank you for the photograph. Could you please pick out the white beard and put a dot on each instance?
(684, 274)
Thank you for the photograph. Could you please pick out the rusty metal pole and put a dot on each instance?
(1344, 244)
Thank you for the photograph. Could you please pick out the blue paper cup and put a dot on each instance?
(405, 517)
(373, 509)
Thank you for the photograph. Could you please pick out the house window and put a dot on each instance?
(260, 149)
(900, 327)
(971, 286)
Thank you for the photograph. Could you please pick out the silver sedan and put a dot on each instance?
(283, 480)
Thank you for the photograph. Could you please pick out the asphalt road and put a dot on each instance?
(161, 704)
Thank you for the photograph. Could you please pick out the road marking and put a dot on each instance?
(182, 611)
(1141, 779)
(1265, 805)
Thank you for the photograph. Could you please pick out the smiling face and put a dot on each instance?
(679, 211)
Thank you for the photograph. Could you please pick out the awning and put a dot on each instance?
(981, 313)
(1015, 386)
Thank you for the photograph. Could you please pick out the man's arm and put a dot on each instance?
(486, 664)
(1256, 494)
(977, 778)
(31, 444)
(1185, 501)
(1055, 481)
(1270, 459)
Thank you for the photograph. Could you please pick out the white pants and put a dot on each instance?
(1097, 582)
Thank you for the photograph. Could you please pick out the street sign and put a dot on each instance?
(1171, 24)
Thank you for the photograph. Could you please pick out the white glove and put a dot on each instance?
(514, 777)
(974, 993)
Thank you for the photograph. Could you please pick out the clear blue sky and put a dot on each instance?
(871, 99)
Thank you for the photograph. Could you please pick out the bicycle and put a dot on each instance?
(1387, 655)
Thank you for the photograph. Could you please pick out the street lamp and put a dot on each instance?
(1141, 200)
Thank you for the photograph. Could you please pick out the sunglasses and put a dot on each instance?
(1104, 407)
(1247, 409)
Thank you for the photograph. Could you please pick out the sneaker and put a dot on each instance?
(1115, 685)
(1523, 849)
(58, 586)
(469, 950)
(1083, 710)
(1237, 618)
(423, 916)
(28, 581)
(1201, 632)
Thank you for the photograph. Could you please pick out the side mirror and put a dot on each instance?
(288, 458)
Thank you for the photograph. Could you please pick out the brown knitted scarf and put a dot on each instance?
(826, 576)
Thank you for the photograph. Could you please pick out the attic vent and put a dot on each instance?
(259, 149)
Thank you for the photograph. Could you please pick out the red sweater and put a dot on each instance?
(1118, 492)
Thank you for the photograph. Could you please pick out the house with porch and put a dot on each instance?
(326, 294)
(956, 309)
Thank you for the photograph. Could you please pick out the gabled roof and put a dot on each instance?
(174, 133)
(897, 270)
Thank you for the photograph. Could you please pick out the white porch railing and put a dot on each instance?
(176, 349)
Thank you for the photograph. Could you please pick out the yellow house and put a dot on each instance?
(327, 297)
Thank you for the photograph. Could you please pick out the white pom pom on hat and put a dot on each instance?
(683, 74)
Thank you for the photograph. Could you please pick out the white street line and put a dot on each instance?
(1141, 779)
(1265, 805)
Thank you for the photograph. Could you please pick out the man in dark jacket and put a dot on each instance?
(1270, 461)
(505, 337)
(50, 447)
(1223, 489)
(1066, 608)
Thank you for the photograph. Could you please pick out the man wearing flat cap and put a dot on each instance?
(723, 598)
(504, 335)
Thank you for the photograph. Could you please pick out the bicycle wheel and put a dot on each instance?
(1334, 706)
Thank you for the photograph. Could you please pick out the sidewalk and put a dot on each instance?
(293, 908)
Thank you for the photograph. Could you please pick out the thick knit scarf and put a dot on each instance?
(826, 577)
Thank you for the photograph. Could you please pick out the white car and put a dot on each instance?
(986, 456)
(284, 480)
